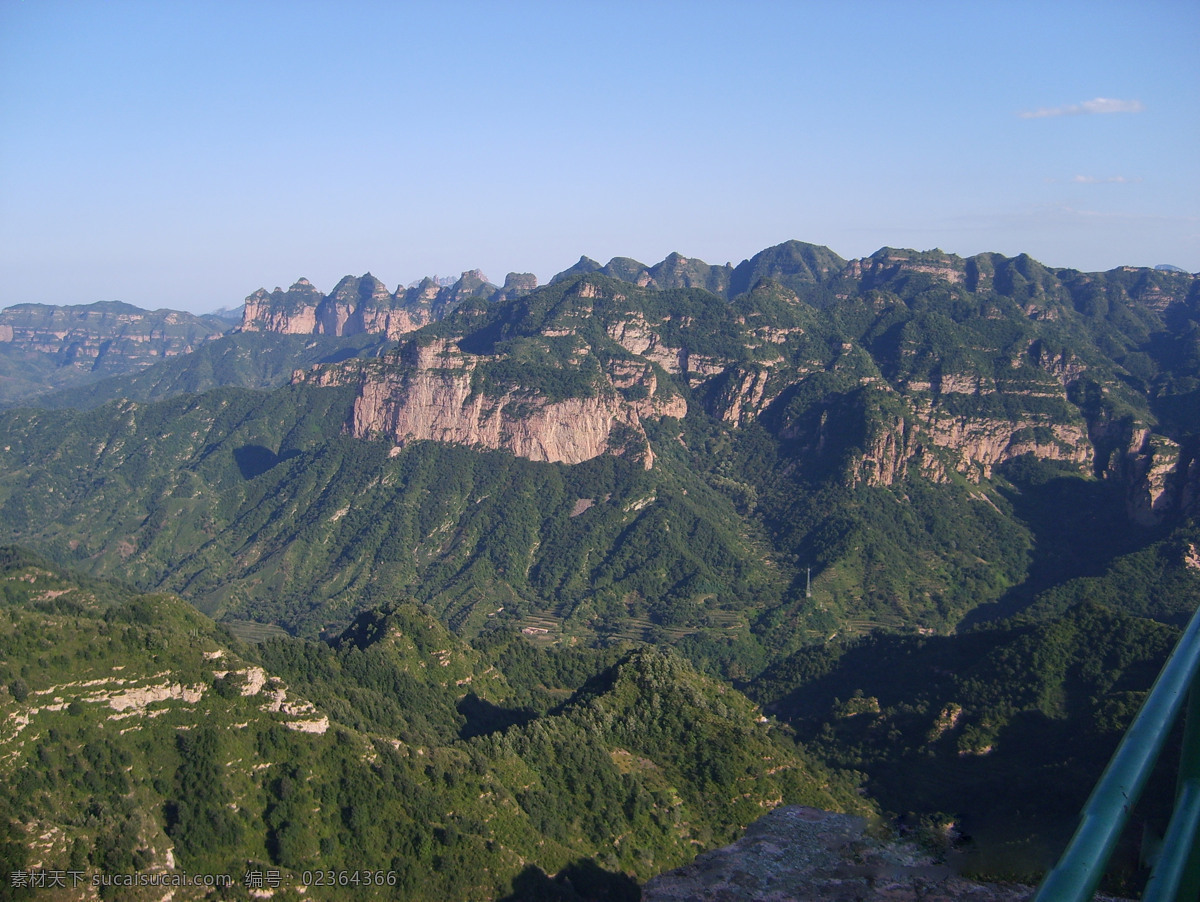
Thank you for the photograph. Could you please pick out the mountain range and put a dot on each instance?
(932, 514)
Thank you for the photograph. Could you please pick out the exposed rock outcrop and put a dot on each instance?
(362, 305)
(291, 312)
(428, 392)
(516, 284)
(741, 398)
(106, 336)
(980, 443)
(887, 263)
(893, 450)
(798, 854)
(969, 386)
(643, 338)
(1161, 478)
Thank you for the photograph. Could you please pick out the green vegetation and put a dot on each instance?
(986, 468)
(71, 348)
(1001, 731)
(420, 765)
(245, 360)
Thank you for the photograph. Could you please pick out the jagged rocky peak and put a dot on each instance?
(516, 284)
(585, 265)
(520, 281)
(470, 280)
(299, 294)
(302, 286)
(427, 288)
(675, 265)
(678, 271)
(292, 312)
(356, 305)
(471, 284)
(628, 270)
(366, 288)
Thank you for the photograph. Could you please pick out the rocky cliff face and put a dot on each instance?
(430, 392)
(886, 264)
(638, 337)
(740, 399)
(977, 444)
(293, 312)
(108, 335)
(895, 447)
(954, 366)
(1162, 478)
(516, 284)
(911, 429)
(363, 305)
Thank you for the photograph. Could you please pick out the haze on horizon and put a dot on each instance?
(184, 155)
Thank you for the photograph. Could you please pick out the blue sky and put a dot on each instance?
(183, 154)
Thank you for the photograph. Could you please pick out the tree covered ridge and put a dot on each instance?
(425, 771)
(950, 364)
(803, 420)
(940, 444)
(996, 735)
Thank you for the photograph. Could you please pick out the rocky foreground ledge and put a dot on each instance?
(795, 854)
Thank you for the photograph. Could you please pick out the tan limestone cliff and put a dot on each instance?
(351, 302)
(427, 393)
(742, 399)
(393, 323)
(980, 443)
(357, 305)
(895, 450)
(1152, 472)
(640, 337)
(263, 314)
(92, 336)
(635, 336)
(640, 378)
(949, 267)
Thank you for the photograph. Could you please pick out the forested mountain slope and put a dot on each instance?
(690, 459)
(140, 737)
(786, 470)
(44, 346)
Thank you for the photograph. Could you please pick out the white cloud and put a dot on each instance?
(1026, 218)
(1098, 105)
(1110, 180)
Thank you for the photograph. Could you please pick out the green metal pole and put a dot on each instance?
(1078, 872)
(1189, 779)
(1176, 874)
(1168, 880)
